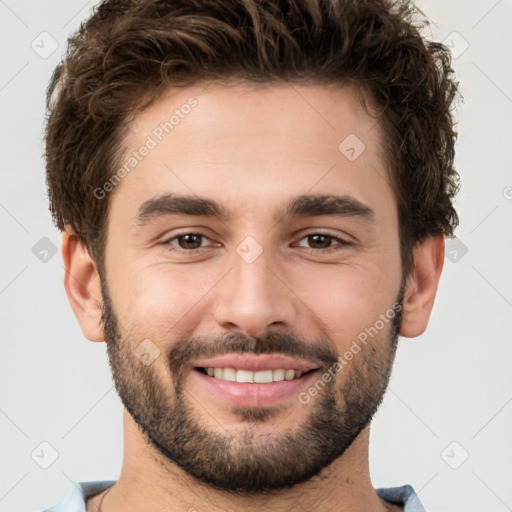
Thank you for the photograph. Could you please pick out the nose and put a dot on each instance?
(255, 296)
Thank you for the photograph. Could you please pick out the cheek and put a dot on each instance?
(348, 299)
(160, 299)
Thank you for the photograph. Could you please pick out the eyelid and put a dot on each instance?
(340, 244)
(168, 240)
(340, 238)
(341, 241)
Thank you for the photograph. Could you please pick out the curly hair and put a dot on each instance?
(130, 51)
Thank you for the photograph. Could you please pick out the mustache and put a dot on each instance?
(321, 352)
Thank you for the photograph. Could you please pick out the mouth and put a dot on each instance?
(252, 377)
(253, 381)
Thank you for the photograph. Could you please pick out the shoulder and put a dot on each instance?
(403, 495)
(75, 499)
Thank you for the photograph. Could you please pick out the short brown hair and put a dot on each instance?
(130, 51)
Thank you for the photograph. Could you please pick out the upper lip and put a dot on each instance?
(256, 362)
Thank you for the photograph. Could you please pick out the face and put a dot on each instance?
(252, 287)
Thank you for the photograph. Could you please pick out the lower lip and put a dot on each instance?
(245, 394)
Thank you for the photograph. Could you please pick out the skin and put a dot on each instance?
(250, 149)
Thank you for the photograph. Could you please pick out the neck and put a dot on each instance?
(148, 481)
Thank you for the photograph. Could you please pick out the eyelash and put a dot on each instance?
(341, 242)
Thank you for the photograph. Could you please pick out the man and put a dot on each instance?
(254, 198)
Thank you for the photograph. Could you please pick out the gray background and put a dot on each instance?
(450, 396)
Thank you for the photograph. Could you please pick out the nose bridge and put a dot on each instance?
(253, 297)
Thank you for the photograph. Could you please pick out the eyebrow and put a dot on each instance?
(300, 206)
(171, 204)
(317, 205)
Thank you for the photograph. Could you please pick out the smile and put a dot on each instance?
(256, 377)
(250, 380)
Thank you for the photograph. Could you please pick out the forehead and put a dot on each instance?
(242, 142)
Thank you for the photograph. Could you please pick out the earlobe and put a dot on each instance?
(421, 286)
(82, 284)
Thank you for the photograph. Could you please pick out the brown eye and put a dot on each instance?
(190, 241)
(319, 241)
(323, 243)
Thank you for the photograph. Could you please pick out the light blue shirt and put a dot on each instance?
(75, 500)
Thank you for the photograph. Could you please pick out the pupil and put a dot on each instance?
(319, 241)
(190, 241)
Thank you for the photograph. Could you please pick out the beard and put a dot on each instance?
(246, 461)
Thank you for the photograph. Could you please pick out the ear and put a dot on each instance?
(421, 286)
(82, 284)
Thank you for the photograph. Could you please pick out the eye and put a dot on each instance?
(322, 242)
(188, 241)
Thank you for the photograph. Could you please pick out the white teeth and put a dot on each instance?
(289, 374)
(244, 376)
(259, 377)
(278, 375)
(229, 374)
(263, 377)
